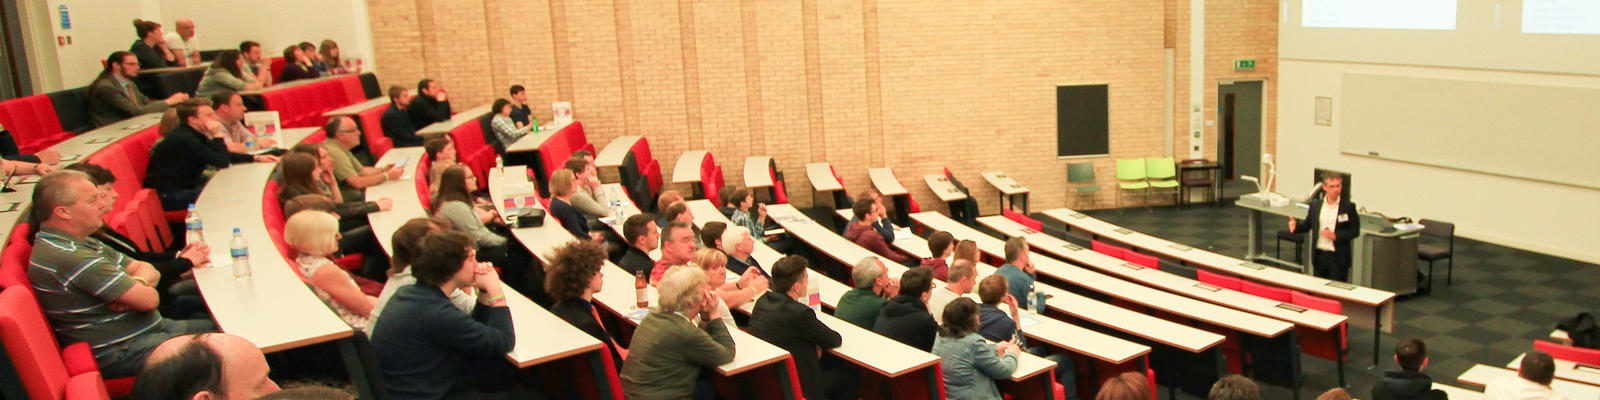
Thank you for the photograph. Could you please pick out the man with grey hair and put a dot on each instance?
(669, 349)
(873, 285)
(90, 292)
(738, 244)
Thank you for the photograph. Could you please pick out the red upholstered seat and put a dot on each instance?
(1107, 249)
(36, 355)
(1148, 261)
(353, 93)
(1333, 344)
(648, 166)
(471, 149)
(1219, 280)
(14, 264)
(271, 207)
(371, 122)
(33, 122)
(277, 68)
(1265, 291)
(1020, 218)
(780, 196)
(149, 205)
(1569, 353)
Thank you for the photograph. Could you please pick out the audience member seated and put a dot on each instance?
(681, 336)
(455, 204)
(442, 151)
(729, 204)
(1018, 270)
(505, 129)
(204, 366)
(738, 245)
(303, 175)
(178, 162)
(90, 292)
(966, 250)
(10, 151)
(297, 66)
(643, 236)
(113, 96)
(747, 213)
(430, 105)
(677, 248)
(353, 178)
(520, 112)
(314, 237)
(585, 198)
(666, 198)
(785, 321)
(970, 363)
(863, 234)
(328, 55)
(1125, 386)
(1234, 387)
(226, 74)
(963, 277)
(711, 236)
(680, 212)
(425, 346)
(993, 323)
(1532, 382)
(396, 125)
(151, 48)
(563, 185)
(183, 44)
(1335, 394)
(1409, 382)
(880, 220)
(254, 64)
(407, 242)
(732, 294)
(180, 297)
(905, 316)
(14, 168)
(873, 286)
(314, 57)
(230, 112)
(941, 245)
(572, 281)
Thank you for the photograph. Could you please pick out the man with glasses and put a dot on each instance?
(113, 96)
(343, 135)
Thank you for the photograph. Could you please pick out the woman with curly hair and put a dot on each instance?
(572, 281)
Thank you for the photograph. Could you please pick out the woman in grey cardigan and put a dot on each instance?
(971, 364)
(226, 74)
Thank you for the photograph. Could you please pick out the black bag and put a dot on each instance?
(1582, 329)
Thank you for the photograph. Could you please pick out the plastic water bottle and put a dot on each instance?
(191, 223)
(250, 140)
(500, 164)
(616, 211)
(241, 255)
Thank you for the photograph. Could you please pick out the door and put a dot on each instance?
(1239, 128)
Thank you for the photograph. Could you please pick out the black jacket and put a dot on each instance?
(569, 218)
(1346, 228)
(397, 126)
(636, 261)
(786, 323)
(424, 344)
(1406, 385)
(906, 320)
(580, 313)
(425, 111)
(738, 266)
(178, 162)
(168, 263)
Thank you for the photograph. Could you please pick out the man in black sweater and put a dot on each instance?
(178, 161)
(396, 124)
(1409, 383)
(780, 319)
(643, 236)
(430, 106)
(905, 317)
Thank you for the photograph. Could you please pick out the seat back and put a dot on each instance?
(72, 109)
(353, 92)
(1331, 345)
(14, 263)
(32, 122)
(371, 122)
(1021, 218)
(1269, 292)
(1570, 353)
(1130, 169)
(34, 352)
(1219, 280)
(272, 207)
(1148, 261)
(1160, 168)
(1080, 172)
(1107, 249)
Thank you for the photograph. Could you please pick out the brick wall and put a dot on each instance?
(907, 84)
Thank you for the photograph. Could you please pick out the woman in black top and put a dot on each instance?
(562, 185)
(572, 281)
(297, 66)
(303, 174)
(151, 48)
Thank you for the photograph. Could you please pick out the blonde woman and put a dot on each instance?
(733, 293)
(314, 236)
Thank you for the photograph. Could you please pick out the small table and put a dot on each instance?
(822, 180)
(1211, 168)
(889, 187)
(1009, 189)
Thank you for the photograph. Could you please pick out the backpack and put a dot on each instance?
(1582, 329)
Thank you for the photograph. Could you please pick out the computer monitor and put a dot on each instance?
(1316, 180)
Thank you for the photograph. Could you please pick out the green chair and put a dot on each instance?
(1082, 174)
(1162, 174)
(1130, 177)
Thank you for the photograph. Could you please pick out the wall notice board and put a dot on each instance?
(1082, 121)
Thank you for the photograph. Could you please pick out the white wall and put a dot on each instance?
(100, 27)
(1548, 218)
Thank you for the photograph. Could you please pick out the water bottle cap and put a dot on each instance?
(235, 230)
(191, 207)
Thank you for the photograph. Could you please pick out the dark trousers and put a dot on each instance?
(1325, 264)
(179, 200)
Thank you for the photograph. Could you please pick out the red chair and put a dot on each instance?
(1269, 292)
(1219, 280)
(371, 122)
(271, 208)
(277, 68)
(33, 122)
(14, 265)
(1570, 353)
(1020, 218)
(353, 93)
(127, 184)
(1332, 345)
(149, 204)
(118, 221)
(37, 357)
(1148, 261)
(648, 166)
(1107, 249)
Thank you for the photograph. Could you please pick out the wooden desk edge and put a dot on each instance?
(307, 341)
(556, 356)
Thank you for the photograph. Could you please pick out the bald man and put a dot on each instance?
(203, 367)
(183, 43)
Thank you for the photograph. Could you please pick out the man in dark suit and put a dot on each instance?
(429, 106)
(1336, 224)
(113, 96)
(396, 125)
(785, 322)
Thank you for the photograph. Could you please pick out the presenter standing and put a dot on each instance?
(1336, 224)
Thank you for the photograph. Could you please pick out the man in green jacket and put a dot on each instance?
(860, 305)
(669, 350)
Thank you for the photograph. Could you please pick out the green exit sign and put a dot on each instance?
(1247, 63)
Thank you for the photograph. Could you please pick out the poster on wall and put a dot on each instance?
(1324, 115)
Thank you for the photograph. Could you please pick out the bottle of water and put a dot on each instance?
(250, 140)
(500, 164)
(192, 232)
(616, 211)
(241, 255)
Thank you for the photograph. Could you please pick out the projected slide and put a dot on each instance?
(1384, 14)
(1561, 16)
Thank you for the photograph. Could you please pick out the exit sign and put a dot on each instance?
(1247, 63)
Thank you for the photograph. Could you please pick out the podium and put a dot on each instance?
(1383, 257)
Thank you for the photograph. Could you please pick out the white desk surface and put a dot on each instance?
(821, 176)
(1294, 280)
(456, 120)
(356, 108)
(74, 149)
(273, 308)
(614, 152)
(536, 138)
(1004, 183)
(1170, 282)
(757, 172)
(885, 181)
(1481, 375)
(688, 168)
(942, 187)
(1567, 370)
(1458, 393)
(402, 191)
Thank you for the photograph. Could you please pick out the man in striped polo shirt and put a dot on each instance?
(90, 292)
